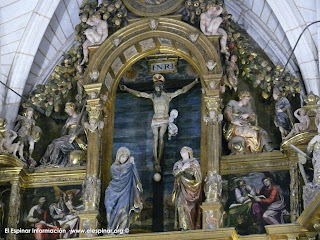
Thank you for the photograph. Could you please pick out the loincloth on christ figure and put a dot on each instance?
(159, 121)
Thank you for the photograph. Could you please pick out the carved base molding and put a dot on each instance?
(212, 215)
(88, 222)
(58, 176)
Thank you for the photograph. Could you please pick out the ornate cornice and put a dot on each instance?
(247, 163)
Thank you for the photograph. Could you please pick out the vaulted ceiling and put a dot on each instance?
(34, 34)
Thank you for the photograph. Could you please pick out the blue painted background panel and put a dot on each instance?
(132, 129)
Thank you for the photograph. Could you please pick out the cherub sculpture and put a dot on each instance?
(94, 36)
(232, 73)
(7, 145)
(80, 90)
(93, 125)
(303, 125)
(210, 25)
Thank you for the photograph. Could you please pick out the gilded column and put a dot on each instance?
(14, 208)
(295, 179)
(294, 192)
(212, 217)
(92, 183)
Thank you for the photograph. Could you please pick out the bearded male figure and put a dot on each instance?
(160, 120)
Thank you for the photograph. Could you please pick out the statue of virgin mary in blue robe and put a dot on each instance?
(123, 199)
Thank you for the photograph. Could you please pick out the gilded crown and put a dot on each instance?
(244, 94)
(70, 105)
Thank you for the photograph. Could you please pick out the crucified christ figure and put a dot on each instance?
(160, 120)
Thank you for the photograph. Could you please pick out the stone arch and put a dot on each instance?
(138, 40)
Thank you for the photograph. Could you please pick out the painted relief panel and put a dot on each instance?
(130, 52)
(53, 208)
(147, 44)
(255, 200)
(116, 65)
(4, 208)
(165, 42)
(108, 81)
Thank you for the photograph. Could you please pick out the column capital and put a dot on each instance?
(211, 86)
(93, 90)
(213, 107)
(94, 108)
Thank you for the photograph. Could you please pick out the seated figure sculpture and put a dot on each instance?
(58, 151)
(241, 130)
(123, 198)
(94, 36)
(210, 25)
(6, 143)
(303, 125)
(186, 191)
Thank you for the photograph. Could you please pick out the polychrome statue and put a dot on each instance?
(123, 198)
(232, 73)
(186, 195)
(314, 149)
(28, 133)
(241, 130)
(94, 36)
(160, 120)
(210, 22)
(284, 118)
(303, 125)
(58, 151)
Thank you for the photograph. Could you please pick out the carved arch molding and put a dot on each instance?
(134, 42)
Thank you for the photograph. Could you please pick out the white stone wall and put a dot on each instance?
(293, 24)
(14, 18)
(57, 39)
(276, 26)
(258, 19)
(27, 20)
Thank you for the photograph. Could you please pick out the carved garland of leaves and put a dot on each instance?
(253, 68)
(63, 79)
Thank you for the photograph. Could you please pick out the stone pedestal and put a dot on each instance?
(88, 223)
(212, 215)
